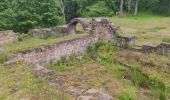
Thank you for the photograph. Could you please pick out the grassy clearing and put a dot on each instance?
(145, 78)
(107, 70)
(17, 82)
(148, 28)
(36, 42)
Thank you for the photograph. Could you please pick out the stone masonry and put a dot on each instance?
(76, 47)
(7, 36)
(55, 51)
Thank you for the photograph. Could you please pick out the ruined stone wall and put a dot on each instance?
(103, 28)
(163, 49)
(7, 36)
(55, 31)
(56, 51)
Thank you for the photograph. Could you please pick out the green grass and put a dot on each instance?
(36, 42)
(17, 82)
(103, 66)
(151, 26)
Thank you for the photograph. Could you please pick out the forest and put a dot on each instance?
(22, 15)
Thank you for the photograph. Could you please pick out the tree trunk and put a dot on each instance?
(136, 8)
(121, 8)
(129, 6)
(62, 8)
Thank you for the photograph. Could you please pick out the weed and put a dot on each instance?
(166, 40)
(3, 58)
(23, 37)
(126, 96)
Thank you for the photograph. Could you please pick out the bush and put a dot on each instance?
(97, 10)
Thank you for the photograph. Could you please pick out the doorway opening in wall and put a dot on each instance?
(79, 29)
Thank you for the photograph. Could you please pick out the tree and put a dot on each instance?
(121, 7)
(62, 8)
(129, 6)
(136, 7)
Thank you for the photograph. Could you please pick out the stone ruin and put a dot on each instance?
(7, 36)
(101, 27)
(97, 29)
(163, 48)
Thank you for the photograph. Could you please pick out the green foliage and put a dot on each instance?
(97, 10)
(23, 37)
(166, 40)
(3, 58)
(22, 15)
(126, 96)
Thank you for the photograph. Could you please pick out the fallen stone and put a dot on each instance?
(38, 67)
(44, 73)
(75, 91)
(56, 82)
(86, 98)
(99, 94)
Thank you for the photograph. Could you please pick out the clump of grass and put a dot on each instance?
(23, 37)
(166, 40)
(126, 96)
(3, 58)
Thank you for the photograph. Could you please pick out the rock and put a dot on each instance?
(10, 62)
(56, 82)
(44, 73)
(85, 98)
(98, 94)
(75, 91)
(38, 67)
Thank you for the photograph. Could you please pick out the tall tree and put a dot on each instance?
(121, 7)
(129, 5)
(136, 7)
(62, 8)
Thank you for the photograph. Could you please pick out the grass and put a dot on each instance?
(124, 74)
(148, 28)
(36, 42)
(17, 82)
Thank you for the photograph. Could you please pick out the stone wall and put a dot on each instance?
(56, 51)
(103, 28)
(163, 49)
(55, 31)
(7, 36)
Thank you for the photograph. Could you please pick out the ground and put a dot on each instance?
(123, 74)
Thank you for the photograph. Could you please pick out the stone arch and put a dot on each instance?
(71, 28)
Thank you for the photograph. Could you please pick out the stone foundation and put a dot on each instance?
(101, 29)
(7, 36)
(55, 51)
(55, 31)
(163, 48)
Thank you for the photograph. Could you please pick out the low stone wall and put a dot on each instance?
(163, 49)
(56, 51)
(55, 31)
(7, 36)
